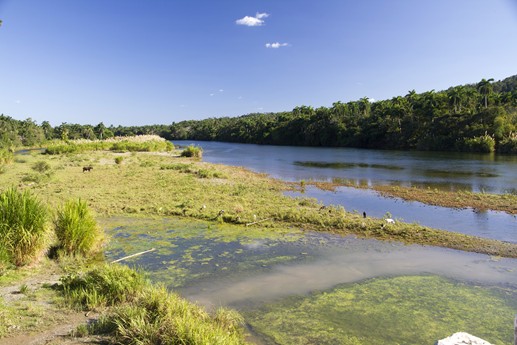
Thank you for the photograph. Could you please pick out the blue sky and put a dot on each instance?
(156, 62)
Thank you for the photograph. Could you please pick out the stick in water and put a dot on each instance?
(131, 256)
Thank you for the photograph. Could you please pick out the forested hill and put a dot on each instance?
(478, 117)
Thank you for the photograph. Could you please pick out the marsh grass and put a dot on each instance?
(6, 156)
(76, 229)
(145, 314)
(23, 226)
(192, 152)
(118, 160)
(145, 143)
(41, 167)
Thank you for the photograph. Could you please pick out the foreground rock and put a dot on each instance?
(462, 338)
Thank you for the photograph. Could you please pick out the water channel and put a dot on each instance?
(299, 287)
(452, 171)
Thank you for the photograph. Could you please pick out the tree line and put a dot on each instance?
(479, 117)
(475, 117)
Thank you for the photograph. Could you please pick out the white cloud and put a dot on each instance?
(17, 101)
(258, 20)
(371, 100)
(211, 94)
(221, 90)
(261, 15)
(276, 45)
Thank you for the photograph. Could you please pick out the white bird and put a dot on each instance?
(389, 221)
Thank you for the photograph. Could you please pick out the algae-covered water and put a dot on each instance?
(297, 287)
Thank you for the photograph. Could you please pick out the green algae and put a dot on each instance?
(400, 310)
(189, 250)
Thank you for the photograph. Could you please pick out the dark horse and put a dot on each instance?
(87, 168)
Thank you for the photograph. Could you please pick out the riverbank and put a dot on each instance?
(451, 199)
(164, 184)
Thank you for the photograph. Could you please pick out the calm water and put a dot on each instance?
(490, 173)
(472, 172)
(210, 265)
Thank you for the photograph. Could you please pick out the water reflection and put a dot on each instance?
(489, 224)
(457, 171)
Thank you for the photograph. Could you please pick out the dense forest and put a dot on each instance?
(478, 117)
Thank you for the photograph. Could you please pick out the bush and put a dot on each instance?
(41, 167)
(119, 159)
(23, 226)
(192, 152)
(508, 144)
(6, 156)
(483, 144)
(76, 229)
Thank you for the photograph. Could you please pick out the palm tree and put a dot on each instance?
(456, 95)
(485, 88)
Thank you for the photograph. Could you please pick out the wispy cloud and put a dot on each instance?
(212, 94)
(221, 90)
(258, 20)
(276, 45)
(17, 101)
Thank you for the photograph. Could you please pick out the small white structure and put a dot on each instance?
(462, 338)
(389, 221)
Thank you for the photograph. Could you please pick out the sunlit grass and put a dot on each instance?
(147, 314)
(23, 226)
(76, 229)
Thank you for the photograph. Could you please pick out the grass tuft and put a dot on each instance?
(192, 152)
(23, 226)
(77, 230)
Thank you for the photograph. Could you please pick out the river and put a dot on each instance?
(451, 171)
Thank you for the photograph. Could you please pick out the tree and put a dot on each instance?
(485, 88)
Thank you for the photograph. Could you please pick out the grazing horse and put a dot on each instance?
(87, 168)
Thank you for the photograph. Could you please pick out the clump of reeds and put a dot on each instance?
(77, 230)
(140, 143)
(23, 226)
(6, 156)
(147, 314)
(192, 151)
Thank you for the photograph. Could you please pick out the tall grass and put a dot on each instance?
(6, 156)
(147, 314)
(147, 143)
(23, 226)
(192, 152)
(76, 229)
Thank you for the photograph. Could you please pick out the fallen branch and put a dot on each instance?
(133, 255)
(258, 221)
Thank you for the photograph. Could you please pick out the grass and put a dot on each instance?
(76, 229)
(141, 313)
(168, 185)
(192, 152)
(23, 226)
(143, 143)
(453, 199)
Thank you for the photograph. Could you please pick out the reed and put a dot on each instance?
(23, 226)
(192, 152)
(76, 229)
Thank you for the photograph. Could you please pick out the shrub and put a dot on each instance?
(41, 167)
(192, 152)
(508, 144)
(6, 156)
(119, 159)
(484, 144)
(23, 226)
(76, 229)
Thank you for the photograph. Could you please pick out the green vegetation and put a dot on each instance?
(23, 227)
(148, 143)
(77, 230)
(476, 118)
(192, 152)
(400, 310)
(119, 159)
(41, 167)
(147, 314)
